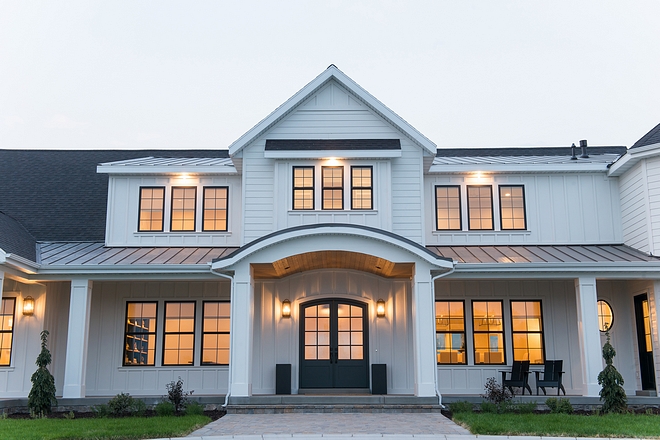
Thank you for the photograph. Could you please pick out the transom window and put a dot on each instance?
(361, 188)
(332, 187)
(512, 207)
(480, 207)
(488, 328)
(140, 333)
(215, 333)
(183, 208)
(450, 332)
(152, 206)
(448, 207)
(7, 309)
(179, 336)
(303, 187)
(527, 329)
(605, 316)
(214, 217)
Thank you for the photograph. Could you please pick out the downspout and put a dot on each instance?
(433, 278)
(231, 334)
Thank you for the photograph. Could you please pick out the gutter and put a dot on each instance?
(433, 278)
(231, 334)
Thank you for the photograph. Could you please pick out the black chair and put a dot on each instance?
(551, 377)
(519, 377)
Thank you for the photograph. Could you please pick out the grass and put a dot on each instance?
(106, 429)
(561, 425)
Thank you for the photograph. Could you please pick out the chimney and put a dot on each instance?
(573, 156)
(583, 146)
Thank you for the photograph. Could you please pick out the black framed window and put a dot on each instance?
(488, 332)
(184, 206)
(527, 331)
(605, 315)
(512, 207)
(450, 332)
(332, 187)
(140, 333)
(179, 333)
(303, 188)
(362, 187)
(215, 208)
(480, 207)
(7, 319)
(215, 333)
(152, 207)
(448, 208)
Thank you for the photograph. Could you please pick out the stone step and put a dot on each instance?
(336, 408)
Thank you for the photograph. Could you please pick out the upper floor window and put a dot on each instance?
(214, 217)
(448, 207)
(480, 207)
(303, 187)
(512, 207)
(488, 327)
(7, 308)
(362, 187)
(183, 208)
(179, 335)
(332, 187)
(152, 206)
(140, 333)
(450, 332)
(527, 331)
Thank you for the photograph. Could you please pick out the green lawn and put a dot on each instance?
(564, 425)
(115, 429)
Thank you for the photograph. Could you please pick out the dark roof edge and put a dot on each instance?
(650, 138)
(525, 151)
(16, 239)
(332, 144)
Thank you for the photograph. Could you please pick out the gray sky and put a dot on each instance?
(198, 74)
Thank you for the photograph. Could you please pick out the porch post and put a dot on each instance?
(77, 339)
(241, 334)
(588, 334)
(423, 320)
(2, 282)
(654, 308)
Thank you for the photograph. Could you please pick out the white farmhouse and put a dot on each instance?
(332, 248)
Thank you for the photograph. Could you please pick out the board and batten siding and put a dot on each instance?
(634, 208)
(653, 179)
(560, 209)
(106, 376)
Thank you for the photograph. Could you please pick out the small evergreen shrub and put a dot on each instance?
(123, 404)
(194, 409)
(489, 407)
(559, 406)
(101, 411)
(460, 407)
(524, 407)
(42, 394)
(177, 396)
(164, 409)
(612, 393)
(70, 415)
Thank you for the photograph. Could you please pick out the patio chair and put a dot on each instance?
(519, 377)
(551, 377)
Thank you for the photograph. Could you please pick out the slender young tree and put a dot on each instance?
(42, 395)
(612, 394)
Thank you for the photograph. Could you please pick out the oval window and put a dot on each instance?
(605, 316)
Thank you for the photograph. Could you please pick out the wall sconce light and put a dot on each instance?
(28, 306)
(286, 308)
(380, 308)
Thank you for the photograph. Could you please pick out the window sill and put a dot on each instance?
(483, 231)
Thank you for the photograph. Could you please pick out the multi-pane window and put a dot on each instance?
(450, 332)
(214, 216)
(527, 328)
(183, 208)
(448, 207)
(488, 332)
(140, 333)
(512, 207)
(303, 187)
(332, 186)
(605, 315)
(7, 308)
(317, 332)
(480, 207)
(349, 332)
(152, 205)
(361, 188)
(215, 333)
(179, 336)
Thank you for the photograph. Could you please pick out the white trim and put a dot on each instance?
(575, 167)
(631, 158)
(327, 154)
(164, 170)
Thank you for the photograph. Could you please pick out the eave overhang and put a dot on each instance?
(632, 158)
(614, 270)
(520, 168)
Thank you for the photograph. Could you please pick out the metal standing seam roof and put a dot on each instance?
(543, 254)
(171, 161)
(97, 254)
(521, 160)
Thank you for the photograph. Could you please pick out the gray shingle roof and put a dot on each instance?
(15, 239)
(650, 138)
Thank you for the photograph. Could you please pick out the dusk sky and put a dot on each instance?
(198, 74)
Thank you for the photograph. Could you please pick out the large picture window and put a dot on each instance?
(480, 207)
(140, 333)
(332, 187)
(184, 200)
(512, 207)
(527, 328)
(303, 187)
(362, 188)
(215, 333)
(214, 217)
(448, 208)
(450, 332)
(7, 310)
(152, 206)
(179, 336)
(488, 328)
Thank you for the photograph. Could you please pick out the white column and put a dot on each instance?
(423, 321)
(241, 334)
(77, 339)
(588, 334)
(2, 282)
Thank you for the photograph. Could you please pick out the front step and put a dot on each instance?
(296, 409)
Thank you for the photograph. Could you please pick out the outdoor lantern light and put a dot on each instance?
(286, 308)
(28, 306)
(380, 308)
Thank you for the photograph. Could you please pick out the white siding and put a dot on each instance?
(408, 193)
(634, 209)
(653, 179)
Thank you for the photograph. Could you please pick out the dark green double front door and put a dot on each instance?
(333, 344)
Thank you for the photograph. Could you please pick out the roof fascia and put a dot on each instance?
(326, 154)
(165, 170)
(521, 168)
(632, 157)
(327, 75)
(647, 269)
(18, 263)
